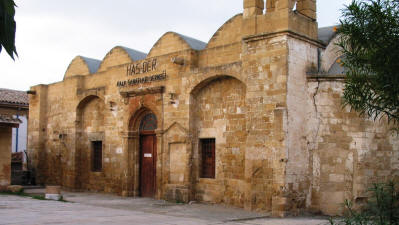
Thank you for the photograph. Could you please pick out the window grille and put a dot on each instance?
(97, 156)
(148, 123)
(208, 158)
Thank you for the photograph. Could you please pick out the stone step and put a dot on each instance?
(27, 187)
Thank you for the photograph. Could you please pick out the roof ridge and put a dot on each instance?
(134, 54)
(192, 42)
(92, 64)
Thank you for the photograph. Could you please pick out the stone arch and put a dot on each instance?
(89, 127)
(197, 85)
(218, 111)
(83, 102)
(133, 150)
(330, 55)
(204, 83)
(137, 116)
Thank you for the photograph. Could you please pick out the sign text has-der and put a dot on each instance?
(139, 68)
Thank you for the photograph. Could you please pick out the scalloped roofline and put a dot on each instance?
(221, 27)
(133, 54)
(193, 43)
(92, 64)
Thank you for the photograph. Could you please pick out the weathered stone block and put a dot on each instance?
(279, 206)
(15, 188)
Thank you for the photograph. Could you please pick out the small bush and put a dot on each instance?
(381, 209)
(38, 197)
(19, 193)
(62, 199)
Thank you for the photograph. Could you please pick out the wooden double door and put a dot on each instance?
(148, 156)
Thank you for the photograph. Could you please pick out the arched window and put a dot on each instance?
(148, 123)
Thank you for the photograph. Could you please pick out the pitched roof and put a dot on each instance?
(92, 64)
(8, 96)
(134, 54)
(194, 43)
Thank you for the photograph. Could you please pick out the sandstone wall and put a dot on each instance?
(347, 152)
(302, 57)
(37, 125)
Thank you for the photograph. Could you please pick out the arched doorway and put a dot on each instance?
(218, 124)
(89, 128)
(148, 154)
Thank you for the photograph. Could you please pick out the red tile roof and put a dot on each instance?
(13, 97)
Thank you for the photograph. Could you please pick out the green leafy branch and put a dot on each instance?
(7, 27)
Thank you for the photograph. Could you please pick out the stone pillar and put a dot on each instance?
(283, 4)
(53, 193)
(130, 142)
(37, 132)
(134, 163)
(158, 164)
(270, 6)
(253, 8)
(307, 8)
(5, 157)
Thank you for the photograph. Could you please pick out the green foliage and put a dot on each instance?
(382, 209)
(62, 199)
(369, 38)
(39, 197)
(19, 193)
(7, 27)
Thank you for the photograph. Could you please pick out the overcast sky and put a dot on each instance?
(50, 33)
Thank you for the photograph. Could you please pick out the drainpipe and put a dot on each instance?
(16, 136)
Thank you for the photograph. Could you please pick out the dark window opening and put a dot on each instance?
(97, 156)
(208, 158)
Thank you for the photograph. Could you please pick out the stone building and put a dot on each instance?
(14, 106)
(251, 119)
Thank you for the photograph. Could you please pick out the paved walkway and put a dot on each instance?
(90, 208)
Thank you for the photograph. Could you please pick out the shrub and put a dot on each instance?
(381, 209)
